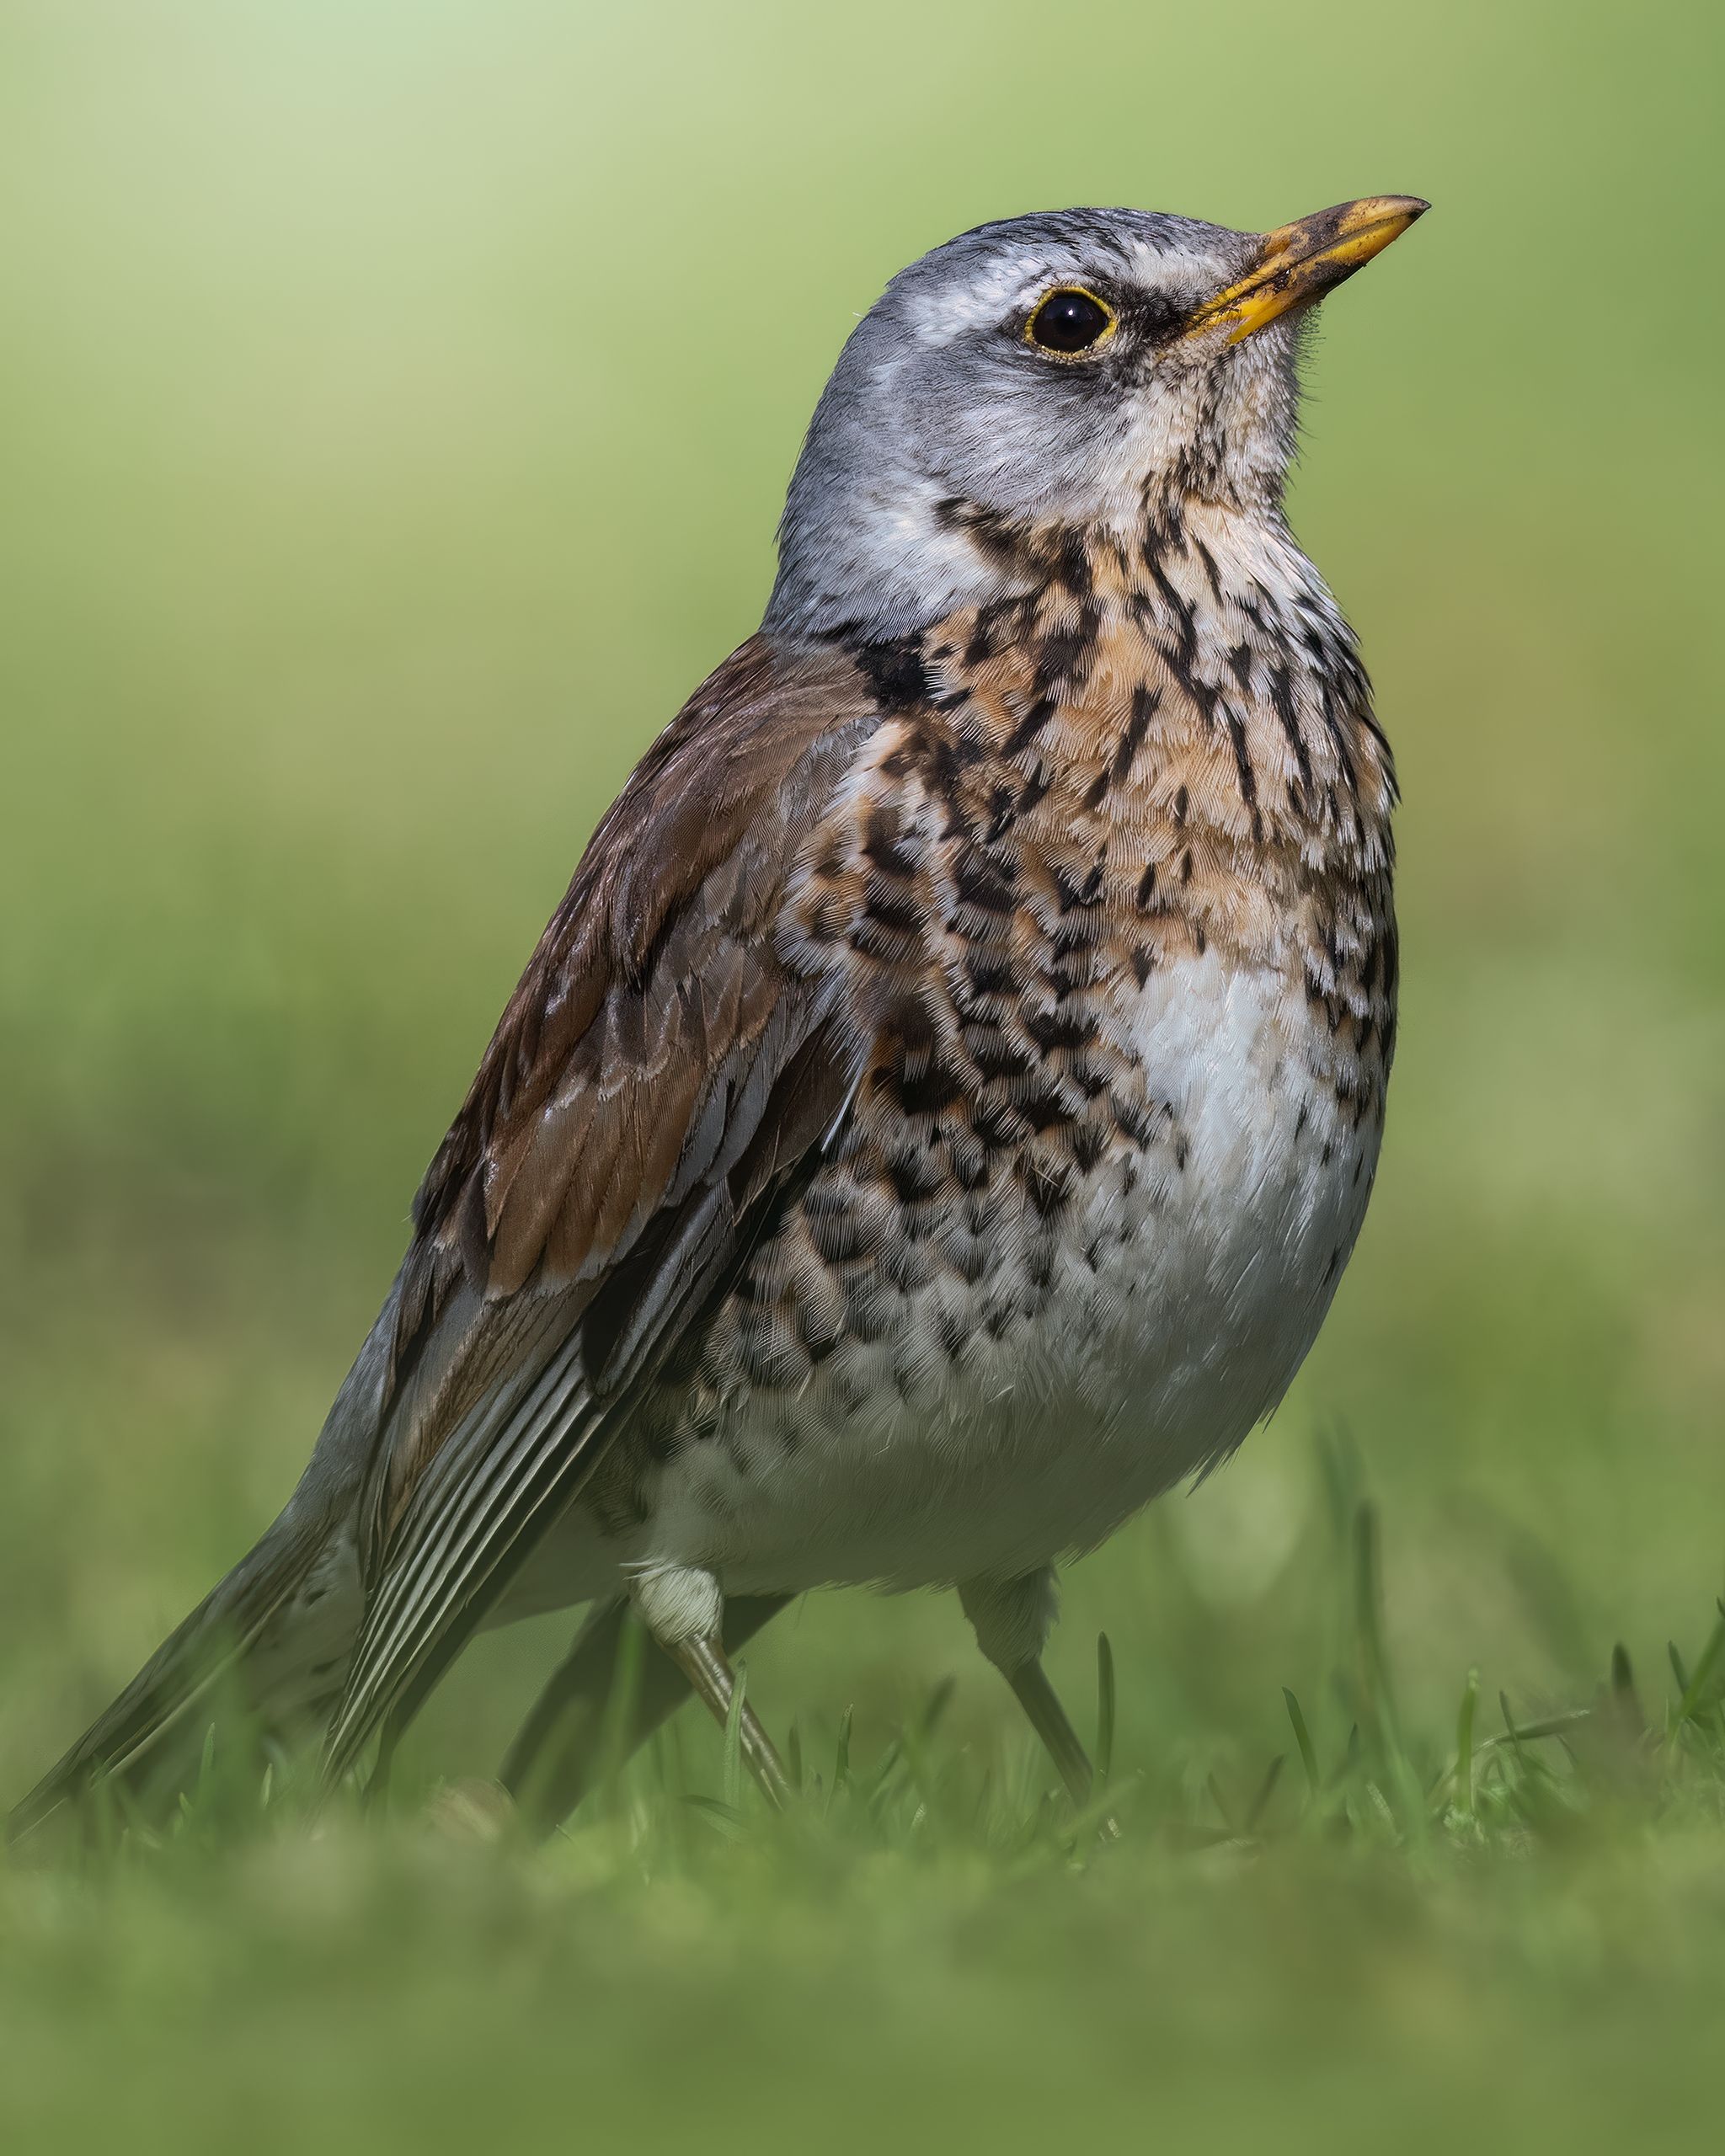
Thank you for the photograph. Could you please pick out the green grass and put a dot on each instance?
(397, 402)
(1510, 1935)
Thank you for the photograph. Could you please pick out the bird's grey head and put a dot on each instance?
(1061, 371)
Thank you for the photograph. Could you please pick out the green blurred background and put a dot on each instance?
(398, 401)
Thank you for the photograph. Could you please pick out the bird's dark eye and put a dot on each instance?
(1069, 320)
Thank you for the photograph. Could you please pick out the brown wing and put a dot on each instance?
(659, 1070)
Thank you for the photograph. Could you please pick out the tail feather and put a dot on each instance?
(277, 1633)
(150, 1742)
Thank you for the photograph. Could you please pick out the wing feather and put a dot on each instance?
(661, 1070)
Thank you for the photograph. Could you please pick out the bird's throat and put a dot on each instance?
(1195, 678)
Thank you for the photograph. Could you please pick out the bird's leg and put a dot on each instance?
(703, 1663)
(1054, 1725)
(683, 1610)
(1012, 1619)
(559, 1748)
(570, 1708)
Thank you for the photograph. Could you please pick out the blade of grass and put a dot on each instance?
(1516, 1734)
(1695, 1690)
(1463, 1746)
(1368, 1617)
(720, 1814)
(733, 1778)
(619, 1704)
(1624, 1692)
(1105, 1710)
(841, 1759)
(1302, 1737)
(940, 1698)
(1267, 1790)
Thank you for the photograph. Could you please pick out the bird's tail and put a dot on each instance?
(266, 1654)
(261, 1654)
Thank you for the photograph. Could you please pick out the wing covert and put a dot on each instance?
(660, 1069)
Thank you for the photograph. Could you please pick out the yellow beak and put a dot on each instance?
(1302, 261)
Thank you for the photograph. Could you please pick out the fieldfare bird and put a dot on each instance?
(936, 1118)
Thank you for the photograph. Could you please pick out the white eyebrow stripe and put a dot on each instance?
(938, 317)
(1013, 285)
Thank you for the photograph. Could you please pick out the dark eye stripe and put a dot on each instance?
(1069, 320)
(1156, 318)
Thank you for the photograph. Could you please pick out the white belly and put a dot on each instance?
(1186, 1288)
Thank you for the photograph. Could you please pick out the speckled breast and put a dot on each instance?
(1107, 900)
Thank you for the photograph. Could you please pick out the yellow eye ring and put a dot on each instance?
(1069, 321)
